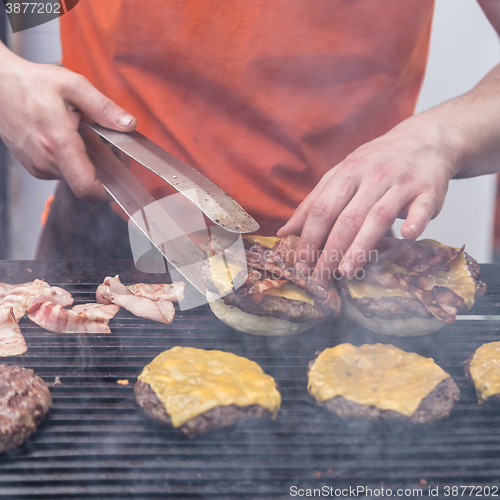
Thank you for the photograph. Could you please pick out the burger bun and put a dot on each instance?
(407, 327)
(242, 321)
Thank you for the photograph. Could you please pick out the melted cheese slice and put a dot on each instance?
(291, 291)
(485, 370)
(379, 375)
(191, 381)
(458, 280)
(267, 241)
(223, 272)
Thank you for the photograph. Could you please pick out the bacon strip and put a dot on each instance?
(112, 291)
(266, 259)
(56, 294)
(255, 285)
(18, 297)
(287, 248)
(12, 342)
(93, 311)
(54, 318)
(421, 259)
(441, 302)
(173, 292)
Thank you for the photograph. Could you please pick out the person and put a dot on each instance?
(301, 113)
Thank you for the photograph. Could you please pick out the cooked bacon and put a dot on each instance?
(271, 261)
(267, 284)
(246, 279)
(112, 291)
(448, 300)
(173, 292)
(256, 282)
(255, 288)
(12, 342)
(55, 318)
(332, 301)
(93, 311)
(441, 302)
(287, 248)
(420, 259)
(277, 264)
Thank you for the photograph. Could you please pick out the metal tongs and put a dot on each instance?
(157, 220)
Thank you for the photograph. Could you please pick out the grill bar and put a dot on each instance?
(96, 444)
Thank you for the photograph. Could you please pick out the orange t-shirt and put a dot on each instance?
(261, 96)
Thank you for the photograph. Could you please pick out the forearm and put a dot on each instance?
(469, 127)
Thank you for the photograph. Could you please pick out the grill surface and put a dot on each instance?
(95, 443)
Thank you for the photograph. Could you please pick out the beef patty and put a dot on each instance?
(435, 406)
(217, 417)
(494, 399)
(438, 404)
(24, 400)
(278, 307)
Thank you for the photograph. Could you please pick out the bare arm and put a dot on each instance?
(41, 107)
(404, 173)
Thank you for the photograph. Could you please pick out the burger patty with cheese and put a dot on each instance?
(412, 288)
(483, 369)
(262, 293)
(195, 391)
(380, 380)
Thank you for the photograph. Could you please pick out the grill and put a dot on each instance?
(95, 443)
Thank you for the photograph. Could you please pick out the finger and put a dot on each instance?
(342, 235)
(298, 219)
(98, 108)
(345, 229)
(78, 170)
(378, 221)
(420, 213)
(320, 220)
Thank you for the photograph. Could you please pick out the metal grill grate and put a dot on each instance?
(96, 444)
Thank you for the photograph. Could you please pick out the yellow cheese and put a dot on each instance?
(379, 375)
(485, 370)
(291, 291)
(267, 241)
(359, 289)
(191, 381)
(223, 271)
(458, 280)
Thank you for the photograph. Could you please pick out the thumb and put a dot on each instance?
(97, 108)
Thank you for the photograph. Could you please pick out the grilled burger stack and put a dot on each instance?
(412, 288)
(262, 292)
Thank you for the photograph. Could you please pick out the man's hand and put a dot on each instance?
(41, 107)
(404, 173)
